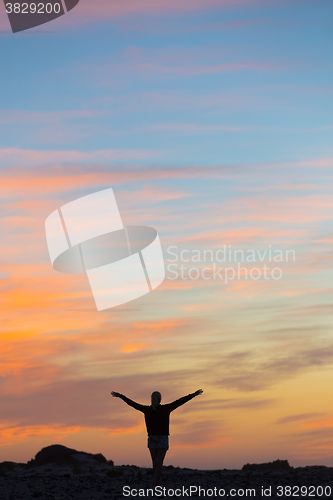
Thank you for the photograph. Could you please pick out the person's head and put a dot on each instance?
(155, 399)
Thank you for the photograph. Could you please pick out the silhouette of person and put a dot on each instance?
(157, 419)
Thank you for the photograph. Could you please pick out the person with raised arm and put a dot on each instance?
(157, 418)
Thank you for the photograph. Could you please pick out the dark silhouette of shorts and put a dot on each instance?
(155, 442)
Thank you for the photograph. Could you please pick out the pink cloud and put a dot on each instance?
(243, 235)
(303, 209)
(10, 433)
(171, 61)
(106, 9)
(151, 194)
(282, 187)
(34, 158)
(175, 61)
(19, 179)
(181, 100)
(196, 128)
(17, 116)
(52, 127)
(193, 127)
(217, 68)
(184, 70)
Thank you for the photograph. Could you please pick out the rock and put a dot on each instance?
(7, 465)
(276, 465)
(108, 482)
(57, 453)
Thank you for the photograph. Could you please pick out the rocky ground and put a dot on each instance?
(85, 478)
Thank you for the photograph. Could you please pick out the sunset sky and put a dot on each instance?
(212, 122)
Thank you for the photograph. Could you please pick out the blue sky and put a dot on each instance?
(219, 86)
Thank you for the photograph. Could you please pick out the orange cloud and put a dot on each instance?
(23, 182)
(191, 443)
(10, 434)
(199, 70)
(134, 429)
(317, 425)
(132, 347)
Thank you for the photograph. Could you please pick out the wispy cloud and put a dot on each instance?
(17, 116)
(292, 419)
(163, 71)
(196, 128)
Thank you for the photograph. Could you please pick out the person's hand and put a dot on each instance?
(198, 392)
(115, 394)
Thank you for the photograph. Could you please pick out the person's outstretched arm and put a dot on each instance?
(184, 399)
(135, 405)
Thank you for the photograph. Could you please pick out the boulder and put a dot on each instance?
(57, 453)
(276, 465)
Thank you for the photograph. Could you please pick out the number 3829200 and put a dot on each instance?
(32, 8)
